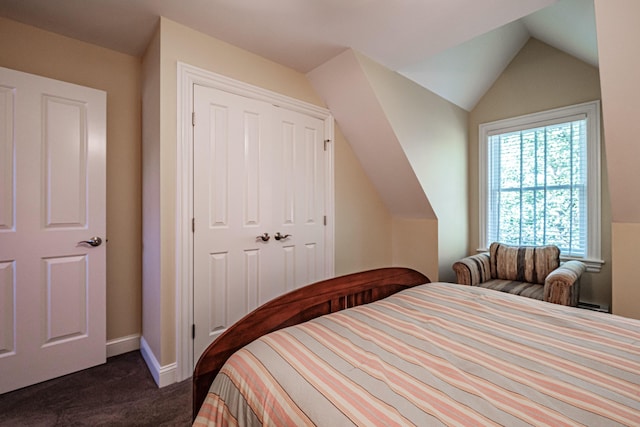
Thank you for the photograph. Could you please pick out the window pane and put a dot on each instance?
(510, 161)
(538, 180)
(529, 159)
(559, 155)
(558, 218)
(509, 218)
(528, 218)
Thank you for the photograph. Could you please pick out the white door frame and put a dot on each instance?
(189, 75)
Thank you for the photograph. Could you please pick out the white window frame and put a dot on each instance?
(591, 110)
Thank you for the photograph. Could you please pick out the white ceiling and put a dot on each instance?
(456, 48)
(463, 73)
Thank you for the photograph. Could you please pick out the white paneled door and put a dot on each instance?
(259, 206)
(52, 223)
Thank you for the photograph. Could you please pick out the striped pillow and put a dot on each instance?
(530, 264)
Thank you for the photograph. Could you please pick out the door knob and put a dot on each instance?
(264, 237)
(94, 241)
(279, 236)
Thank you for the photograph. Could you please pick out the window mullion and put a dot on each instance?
(572, 180)
(521, 183)
(535, 187)
(545, 193)
(499, 195)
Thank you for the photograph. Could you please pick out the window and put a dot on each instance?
(540, 181)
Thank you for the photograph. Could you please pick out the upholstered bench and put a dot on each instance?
(530, 271)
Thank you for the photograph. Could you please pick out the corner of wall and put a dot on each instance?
(625, 288)
(123, 345)
(415, 245)
(151, 215)
(162, 375)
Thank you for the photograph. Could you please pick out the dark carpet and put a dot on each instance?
(119, 393)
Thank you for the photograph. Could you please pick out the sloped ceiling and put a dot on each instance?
(455, 48)
(462, 74)
(342, 83)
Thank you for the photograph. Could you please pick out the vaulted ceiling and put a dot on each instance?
(455, 48)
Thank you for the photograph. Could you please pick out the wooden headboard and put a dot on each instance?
(295, 307)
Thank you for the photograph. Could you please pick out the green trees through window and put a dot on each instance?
(538, 186)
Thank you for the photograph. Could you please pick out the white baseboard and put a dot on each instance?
(123, 345)
(162, 375)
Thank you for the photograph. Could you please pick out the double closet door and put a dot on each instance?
(259, 191)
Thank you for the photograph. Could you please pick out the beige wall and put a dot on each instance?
(541, 78)
(32, 50)
(151, 313)
(179, 43)
(363, 224)
(359, 211)
(625, 249)
(618, 36)
(414, 243)
(346, 88)
(433, 134)
(35, 51)
(345, 84)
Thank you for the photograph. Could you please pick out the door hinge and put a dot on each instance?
(326, 141)
(193, 118)
(193, 225)
(193, 331)
(325, 220)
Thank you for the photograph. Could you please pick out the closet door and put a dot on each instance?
(259, 206)
(232, 208)
(298, 199)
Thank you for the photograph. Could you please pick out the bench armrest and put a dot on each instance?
(562, 285)
(473, 270)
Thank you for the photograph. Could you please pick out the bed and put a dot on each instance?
(386, 347)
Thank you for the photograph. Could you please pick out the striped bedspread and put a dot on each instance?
(437, 354)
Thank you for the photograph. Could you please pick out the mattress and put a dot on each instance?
(437, 354)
